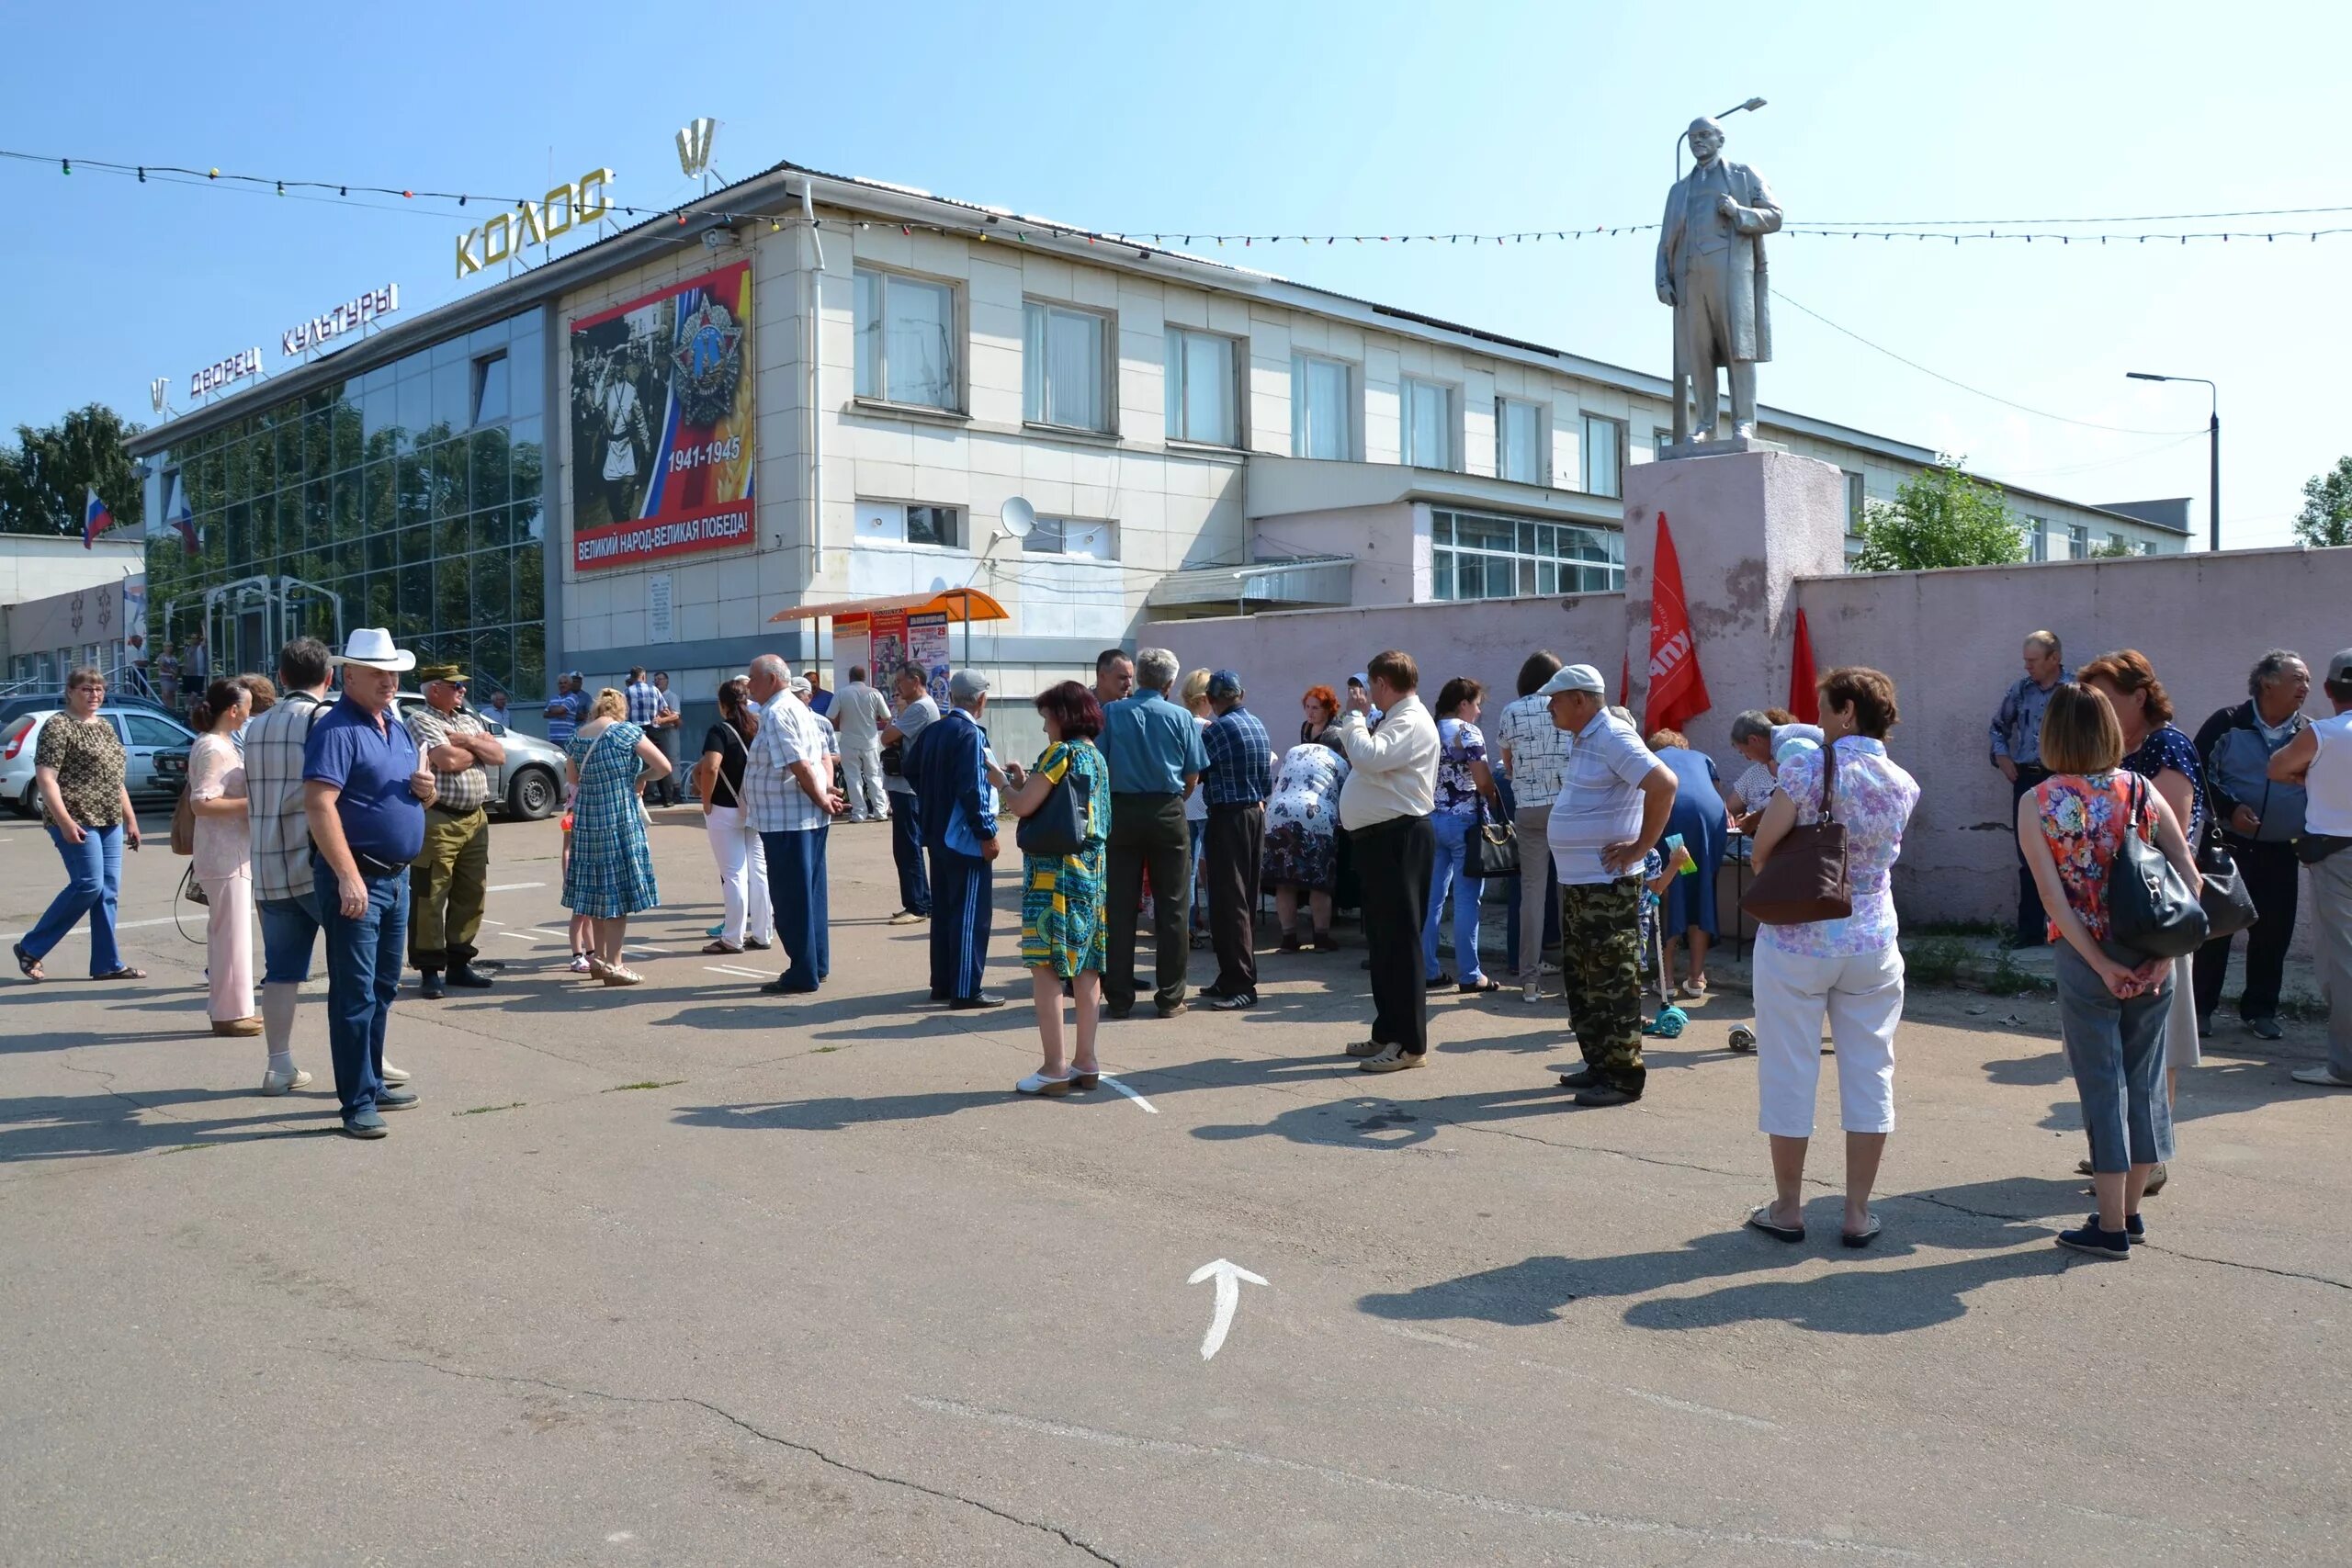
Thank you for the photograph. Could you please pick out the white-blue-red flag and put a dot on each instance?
(182, 521)
(95, 518)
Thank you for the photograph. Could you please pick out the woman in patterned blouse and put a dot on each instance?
(1849, 968)
(79, 767)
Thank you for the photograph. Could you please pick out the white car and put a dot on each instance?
(530, 785)
(154, 747)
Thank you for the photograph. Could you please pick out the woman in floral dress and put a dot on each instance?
(1062, 934)
(1303, 825)
(610, 875)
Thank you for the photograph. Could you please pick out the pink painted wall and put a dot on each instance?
(1282, 654)
(1952, 639)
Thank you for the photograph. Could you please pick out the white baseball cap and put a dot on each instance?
(372, 646)
(1573, 678)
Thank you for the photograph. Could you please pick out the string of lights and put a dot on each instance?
(2063, 232)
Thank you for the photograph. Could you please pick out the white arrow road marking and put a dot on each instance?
(1228, 1296)
(1131, 1094)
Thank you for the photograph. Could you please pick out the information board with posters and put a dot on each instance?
(927, 651)
(662, 438)
(886, 647)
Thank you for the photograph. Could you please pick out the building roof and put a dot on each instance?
(777, 192)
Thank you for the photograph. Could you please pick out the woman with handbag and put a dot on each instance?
(2072, 828)
(2161, 752)
(609, 876)
(223, 854)
(1064, 804)
(1465, 800)
(1837, 812)
(749, 919)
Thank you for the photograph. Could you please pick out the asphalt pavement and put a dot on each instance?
(687, 1274)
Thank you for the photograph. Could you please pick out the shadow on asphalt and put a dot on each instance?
(41, 1127)
(1862, 1301)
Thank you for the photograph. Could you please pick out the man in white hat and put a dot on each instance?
(365, 787)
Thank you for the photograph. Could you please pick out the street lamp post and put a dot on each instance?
(2213, 428)
(1684, 134)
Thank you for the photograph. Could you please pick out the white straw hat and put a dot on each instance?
(372, 646)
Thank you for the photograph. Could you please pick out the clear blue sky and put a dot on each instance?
(1372, 115)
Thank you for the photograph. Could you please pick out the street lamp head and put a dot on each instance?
(1752, 104)
(2144, 376)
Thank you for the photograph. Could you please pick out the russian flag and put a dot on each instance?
(95, 518)
(181, 520)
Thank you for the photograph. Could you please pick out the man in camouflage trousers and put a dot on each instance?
(1612, 804)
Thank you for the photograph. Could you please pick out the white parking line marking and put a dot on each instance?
(512, 886)
(82, 930)
(1131, 1094)
(726, 969)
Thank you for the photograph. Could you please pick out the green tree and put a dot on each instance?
(2114, 549)
(2327, 507)
(1939, 517)
(42, 475)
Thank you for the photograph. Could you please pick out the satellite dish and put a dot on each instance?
(1018, 517)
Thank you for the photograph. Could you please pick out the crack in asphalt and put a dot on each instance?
(810, 1450)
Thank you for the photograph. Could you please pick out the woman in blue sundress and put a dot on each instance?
(1062, 933)
(610, 875)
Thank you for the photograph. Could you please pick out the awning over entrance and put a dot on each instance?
(956, 604)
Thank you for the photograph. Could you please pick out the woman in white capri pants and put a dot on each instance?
(1848, 969)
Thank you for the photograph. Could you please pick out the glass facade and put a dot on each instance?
(415, 493)
(1480, 555)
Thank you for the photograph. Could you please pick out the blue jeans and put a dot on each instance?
(364, 959)
(289, 934)
(1453, 832)
(906, 849)
(803, 920)
(2116, 1050)
(93, 878)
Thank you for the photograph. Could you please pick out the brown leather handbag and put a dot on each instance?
(1806, 878)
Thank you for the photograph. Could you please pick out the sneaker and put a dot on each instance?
(580, 963)
(2321, 1078)
(1364, 1048)
(907, 918)
(393, 1074)
(1393, 1059)
(396, 1100)
(1224, 1003)
(363, 1124)
(2156, 1179)
(2265, 1029)
(284, 1083)
(2096, 1242)
(2135, 1229)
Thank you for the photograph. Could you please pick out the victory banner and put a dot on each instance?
(662, 412)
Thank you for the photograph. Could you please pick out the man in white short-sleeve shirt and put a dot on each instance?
(1612, 804)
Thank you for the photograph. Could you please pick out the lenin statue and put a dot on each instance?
(1711, 269)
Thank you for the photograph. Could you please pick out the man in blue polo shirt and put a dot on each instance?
(1154, 751)
(365, 791)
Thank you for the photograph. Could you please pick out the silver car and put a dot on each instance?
(530, 785)
(154, 753)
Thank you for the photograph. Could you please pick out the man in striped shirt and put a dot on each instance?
(284, 884)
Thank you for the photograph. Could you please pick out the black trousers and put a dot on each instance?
(1148, 833)
(2270, 871)
(1393, 864)
(2033, 921)
(1230, 856)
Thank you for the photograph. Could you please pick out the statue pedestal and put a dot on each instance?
(1746, 525)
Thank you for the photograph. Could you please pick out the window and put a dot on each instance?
(2078, 541)
(906, 340)
(1604, 453)
(1659, 441)
(489, 389)
(1202, 390)
(1428, 423)
(1486, 556)
(942, 527)
(150, 731)
(2122, 545)
(1322, 413)
(1063, 368)
(1520, 456)
(1072, 537)
(2037, 538)
(1854, 502)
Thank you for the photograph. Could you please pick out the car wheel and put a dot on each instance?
(532, 795)
(27, 804)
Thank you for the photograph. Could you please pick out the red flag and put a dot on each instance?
(1677, 691)
(1804, 693)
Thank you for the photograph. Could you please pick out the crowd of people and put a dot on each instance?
(334, 817)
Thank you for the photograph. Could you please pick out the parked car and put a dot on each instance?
(530, 785)
(16, 707)
(154, 746)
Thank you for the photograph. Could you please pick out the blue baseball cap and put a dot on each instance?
(1225, 683)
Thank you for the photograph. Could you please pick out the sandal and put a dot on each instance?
(1760, 1218)
(1480, 987)
(715, 948)
(27, 964)
(622, 977)
(124, 972)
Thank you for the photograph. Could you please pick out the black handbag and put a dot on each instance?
(1494, 846)
(1057, 827)
(2149, 906)
(2229, 907)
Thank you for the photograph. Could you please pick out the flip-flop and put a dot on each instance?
(27, 964)
(1760, 1218)
(1479, 988)
(125, 973)
(717, 948)
(1861, 1237)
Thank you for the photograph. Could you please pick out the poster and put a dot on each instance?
(886, 646)
(927, 648)
(661, 610)
(662, 438)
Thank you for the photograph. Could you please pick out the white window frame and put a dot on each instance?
(1051, 536)
(2078, 541)
(2036, 544)
(1349, 401)
(1856, 501)
(1542, 454)
(883, 278)
(1534, 555)
(1616, 434)
(885, 523)
(1177, 383)
(1106, 370)
(1449, 423)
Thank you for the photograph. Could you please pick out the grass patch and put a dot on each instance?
(1958, 928)
(822, 1049)
(486, 1109)
(649, 1083)
(1934, 962)
(2009, 978)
